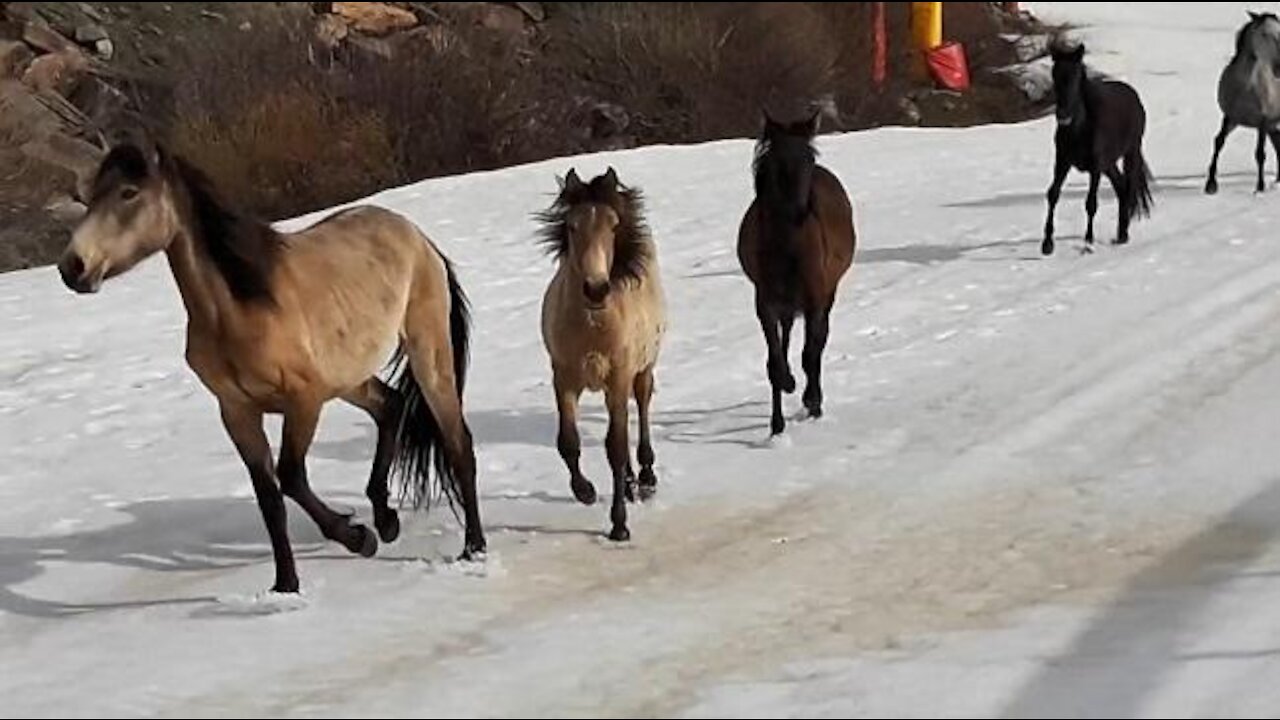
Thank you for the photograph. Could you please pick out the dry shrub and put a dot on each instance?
(292, 149)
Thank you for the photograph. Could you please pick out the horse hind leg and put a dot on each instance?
(644, 452)
(383, 405)
(1275, 145)
(1119, 184)
(300, 420)
(433, 372)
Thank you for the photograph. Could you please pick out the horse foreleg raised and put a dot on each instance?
(568, 442)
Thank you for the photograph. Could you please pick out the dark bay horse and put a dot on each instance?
(285, 322)
(1100, 124)
(1249, 93)
(795, 243)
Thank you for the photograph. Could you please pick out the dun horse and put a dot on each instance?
(1249, 93)
(283, 323)
(795, 243)
(603, 318)
(1100, 123)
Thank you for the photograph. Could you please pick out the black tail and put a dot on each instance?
(419, 438)
(1138, 185)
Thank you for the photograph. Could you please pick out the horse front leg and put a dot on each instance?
(1060, 169)
(817, 328)
(770, 324)
(244, 425)
(300, 420)
(1211, 185)
(1091, 208)
(1275, 145)
(617, 395)
(1260, 154)
(568, 441)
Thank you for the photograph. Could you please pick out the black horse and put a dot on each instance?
(1100, 123)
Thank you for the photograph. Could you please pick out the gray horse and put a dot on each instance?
(1249, 92)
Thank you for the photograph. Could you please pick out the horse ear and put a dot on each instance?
(611, 177)
(1254, 16)
(1078, 53)
(571, 181)
(770, 125)
(810, 126)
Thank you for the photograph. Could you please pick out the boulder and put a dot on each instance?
(374, 18)
(14, 58)
(58, 72)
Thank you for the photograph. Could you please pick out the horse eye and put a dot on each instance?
(128, 194)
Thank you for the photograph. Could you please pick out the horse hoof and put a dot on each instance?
(789, 384)
(648, 484)
(473, 554)
(1120, 241)
(1211, 188)
(619, 533)
(366, 544)
(1046, 247)
(815, 411)
(285, 586)
(584, 491)
(777, 427)
(629, 490)
(388, 526)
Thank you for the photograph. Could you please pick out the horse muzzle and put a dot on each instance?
(595, 293)
(77, 277)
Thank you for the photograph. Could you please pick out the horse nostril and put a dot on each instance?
(596, 292)
(71, 268)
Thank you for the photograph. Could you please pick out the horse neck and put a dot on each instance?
(785, 205)
(205, 294)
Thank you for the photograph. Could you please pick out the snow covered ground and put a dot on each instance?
(1045, 487)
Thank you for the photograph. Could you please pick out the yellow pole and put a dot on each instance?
(926, 30)
(926, 24)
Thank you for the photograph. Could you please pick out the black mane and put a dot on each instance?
(783, 169)
(242, 248)
(633, 247)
